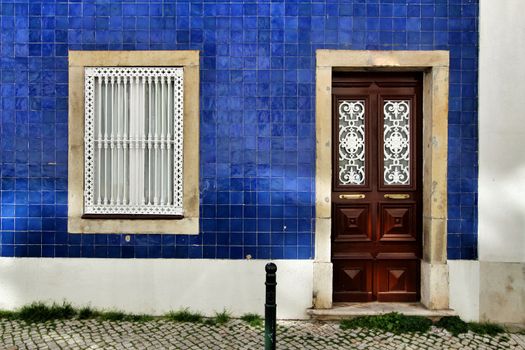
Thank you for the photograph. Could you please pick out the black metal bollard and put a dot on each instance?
(270, 307)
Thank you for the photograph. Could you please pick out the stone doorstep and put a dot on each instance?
(341, 311)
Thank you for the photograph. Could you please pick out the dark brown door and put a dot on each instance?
(376, 187)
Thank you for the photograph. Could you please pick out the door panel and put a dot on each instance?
(397, 280)
(353, 223)
(398, 222)
(353, 280)
(376, 199)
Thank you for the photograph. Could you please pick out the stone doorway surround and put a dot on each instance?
(435, 68)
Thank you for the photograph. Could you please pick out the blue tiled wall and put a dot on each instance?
(257, 114)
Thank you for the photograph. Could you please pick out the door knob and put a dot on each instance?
(352, 196)
(397, 196)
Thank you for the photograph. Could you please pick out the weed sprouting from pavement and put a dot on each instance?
(453, 324)
(184, 315)
(87, 312)
(140, 318)
(253, 320)
(485, 328)
(392, 322)
(7, 314)
(112, 316)
(456, 326)
(222, 317)
(40, 312)
(121, 316)
(398, 323)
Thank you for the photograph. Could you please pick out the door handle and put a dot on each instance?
(397, 196)
(352, 196)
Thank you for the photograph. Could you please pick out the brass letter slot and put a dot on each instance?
(352, 196)
(397, 196)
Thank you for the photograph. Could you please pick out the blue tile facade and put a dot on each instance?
(257, 114)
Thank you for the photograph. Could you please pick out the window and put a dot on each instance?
(133, 143)
(133, 121)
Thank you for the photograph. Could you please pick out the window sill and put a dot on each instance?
(186, 225)
(132, 217)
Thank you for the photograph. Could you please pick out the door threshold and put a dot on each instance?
(341, 311)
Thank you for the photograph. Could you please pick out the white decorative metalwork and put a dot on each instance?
(352, 142)
(133, 140)
(396, 136)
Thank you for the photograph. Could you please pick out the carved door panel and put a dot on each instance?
(376, 197)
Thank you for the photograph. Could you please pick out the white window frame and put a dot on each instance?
(181, 219)
(128, 179)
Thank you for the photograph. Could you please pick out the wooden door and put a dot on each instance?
(376, 187)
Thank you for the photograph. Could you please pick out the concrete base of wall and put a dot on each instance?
(488, 291)
(502, 292)
(478, 291)
(434, 282)
(322, 284)
(464, 288)
(157, 286)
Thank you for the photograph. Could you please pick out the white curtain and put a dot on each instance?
(134, 141)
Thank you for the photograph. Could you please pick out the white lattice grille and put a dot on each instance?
(352, 142)
(133, 140)
(396, 134)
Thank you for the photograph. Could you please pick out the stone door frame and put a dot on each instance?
(435, 68)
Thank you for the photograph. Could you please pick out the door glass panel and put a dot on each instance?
(351, 142)
(396, 137)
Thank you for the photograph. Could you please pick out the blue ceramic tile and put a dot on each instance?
(257, 107)
(155, 251)
(114, 251)
(101, 252)
(141, 252)
(128, 252)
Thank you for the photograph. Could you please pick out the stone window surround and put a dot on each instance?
(435, 68)
(78, 60)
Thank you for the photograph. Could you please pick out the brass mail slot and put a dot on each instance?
(397, 196)
(352, 196)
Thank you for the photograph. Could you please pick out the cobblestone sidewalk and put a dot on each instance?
(163, 334)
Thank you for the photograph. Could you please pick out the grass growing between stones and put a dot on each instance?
(392, 322)
(116, 316)
(253, 320)
(184, 315)
(486, 328)
(5, 314)
(453, 324)
(86, 313)
(222, 317)
(398, 323)
(40, 312)
(457, 326)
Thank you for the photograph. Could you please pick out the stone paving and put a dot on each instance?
(164, 334)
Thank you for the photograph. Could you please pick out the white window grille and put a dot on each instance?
(396, 150)
(133, 140)
(352, 142)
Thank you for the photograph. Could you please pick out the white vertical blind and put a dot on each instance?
(133, 140)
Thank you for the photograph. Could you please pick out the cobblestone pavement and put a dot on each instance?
(163, 334)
